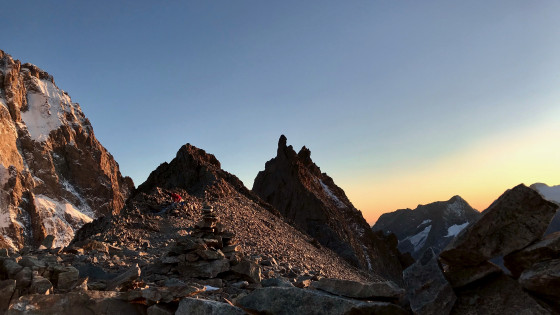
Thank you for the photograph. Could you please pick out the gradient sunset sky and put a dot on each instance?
(401, 102)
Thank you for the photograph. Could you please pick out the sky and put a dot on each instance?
(401, 102)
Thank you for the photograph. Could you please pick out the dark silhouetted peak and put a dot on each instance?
(191, 154)
(311, 200)
(199, 174)
(432, 225)
(282, 142)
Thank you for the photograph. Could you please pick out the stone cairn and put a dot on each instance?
(208, 252)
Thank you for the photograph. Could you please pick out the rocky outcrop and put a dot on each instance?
(386, 290)
(552, 194)
(54, 174)
(546, 249)
(277, 300)
(496, 295)
(310, 200)
(518, 218)
(428, 226)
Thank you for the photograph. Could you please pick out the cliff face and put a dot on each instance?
(54, 174)
(310, 200)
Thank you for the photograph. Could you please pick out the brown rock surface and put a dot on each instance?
(54, 174)
(543, 278)
(311, 201)
(496, 295)
(518, 218)
(461, 276)
(546, 249)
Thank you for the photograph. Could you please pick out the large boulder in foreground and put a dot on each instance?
(543, 278)
(496, 295)
(547, 249)
(288, 301)
(427, 289)
(518, 218)
(192, 306)
(386, 290)
(89, 302)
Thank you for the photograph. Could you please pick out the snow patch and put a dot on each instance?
(47, 110)
(453, 230)
(339, 204)
(418, 240)
(60, 218)
(456, 207)
(424, 222)
(368, 260)
(84, 205)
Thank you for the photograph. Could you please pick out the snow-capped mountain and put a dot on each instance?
(54, 174)
(432, 225)
(550, 193)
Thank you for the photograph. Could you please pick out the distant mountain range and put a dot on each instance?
(432, 225)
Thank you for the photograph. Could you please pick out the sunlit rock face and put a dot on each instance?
(54, 174)
(432, 225)
(310, 200)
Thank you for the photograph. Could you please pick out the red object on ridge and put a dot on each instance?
(176, 198)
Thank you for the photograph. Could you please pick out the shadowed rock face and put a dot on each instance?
(54, 174)
(310, 200)
(433, 225)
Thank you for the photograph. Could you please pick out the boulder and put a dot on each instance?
(276, 282)
(159, 310)
(48, 242)
(40, 285)
(192, 306)
(495, 295)
(548, 248)
(7, 288)
(32, 262)
(249, 270)
(518, 218)
(288, 301)
(427, 289)
(360, 290)
(155, 295)
(23, 278)
(11, 267)
(89, 302)
(203, 269)
(124, 278)
(67, 279)
(543, 278)
(461, 276)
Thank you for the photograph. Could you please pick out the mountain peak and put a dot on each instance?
(311, 200)
(55, 174)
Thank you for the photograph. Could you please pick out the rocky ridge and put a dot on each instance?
(216, 252)
(428, 226)
(311, 201)
(54, 174)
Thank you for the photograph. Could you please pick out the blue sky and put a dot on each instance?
(380, 91)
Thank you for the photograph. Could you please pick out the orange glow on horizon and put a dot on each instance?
(479, 174)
